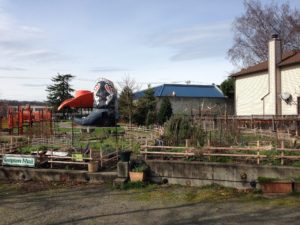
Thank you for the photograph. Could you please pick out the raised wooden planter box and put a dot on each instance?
(277, 187)
(136, 176)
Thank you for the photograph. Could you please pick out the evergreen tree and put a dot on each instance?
(151, 118)
(60, 90)
(144, 105)
(165, 111)
(227, 87)
(126, 106)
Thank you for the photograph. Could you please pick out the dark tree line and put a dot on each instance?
(143, 111)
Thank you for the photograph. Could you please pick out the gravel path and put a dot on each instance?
(102, 205)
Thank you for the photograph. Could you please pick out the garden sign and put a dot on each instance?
(19, 160)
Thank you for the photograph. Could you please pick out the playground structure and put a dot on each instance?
(103, 100)
(21, 117)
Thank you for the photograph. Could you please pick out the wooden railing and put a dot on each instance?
(258, 153)
(101, 157)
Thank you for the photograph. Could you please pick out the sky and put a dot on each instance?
(151, 41)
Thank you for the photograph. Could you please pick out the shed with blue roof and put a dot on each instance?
(186, 98)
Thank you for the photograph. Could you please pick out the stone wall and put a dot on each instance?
(204, 173)
(56, 175)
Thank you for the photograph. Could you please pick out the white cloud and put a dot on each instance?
(12, 68)
(108, 69)
(35, 85)
(194, 42)
(23, 42)
(39, 55)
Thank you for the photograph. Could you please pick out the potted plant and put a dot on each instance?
(137, 173)
(274, 185)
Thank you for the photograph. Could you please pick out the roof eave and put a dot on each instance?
(248, 73)
(288, 65)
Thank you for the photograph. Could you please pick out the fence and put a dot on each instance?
(59, 157)
(141, 134)
(257, 153)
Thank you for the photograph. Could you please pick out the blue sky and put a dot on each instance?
(154, 41)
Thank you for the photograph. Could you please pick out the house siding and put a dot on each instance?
(249, 91)
(290, 82)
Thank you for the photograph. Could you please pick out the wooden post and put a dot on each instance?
(186, 145)
(146, 150)
(258, 143)
(51, 157)
(2, 155)
(258, 157)
(187, 142)
(11, 144)
(282, 153)
(101, 157)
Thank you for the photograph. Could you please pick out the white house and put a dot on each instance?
(271, 87)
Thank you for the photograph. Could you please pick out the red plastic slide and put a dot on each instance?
(82, 99)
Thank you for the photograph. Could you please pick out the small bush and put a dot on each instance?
(263, 180)
(140, 168)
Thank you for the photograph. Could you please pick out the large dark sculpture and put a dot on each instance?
(104, 104)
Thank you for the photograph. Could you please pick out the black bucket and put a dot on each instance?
(125, 156)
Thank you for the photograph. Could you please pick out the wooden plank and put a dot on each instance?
(287, 157)
(168, 153)
(239, 148)
(235, 155)
(288, 149)
(66, 162)
(109, 154)
(111, 159)
(164, 147)
(204, 154)
(66, 157)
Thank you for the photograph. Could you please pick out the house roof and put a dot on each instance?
(182, 90)
(288, 58)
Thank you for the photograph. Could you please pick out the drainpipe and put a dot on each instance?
(263, 98)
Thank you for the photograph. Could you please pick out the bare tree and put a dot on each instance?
(129, 82)
(253, 30)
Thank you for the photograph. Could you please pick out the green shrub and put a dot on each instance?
(140, 168)
(263, 180)
(180, 127)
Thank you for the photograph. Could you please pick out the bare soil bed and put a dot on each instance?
(58, 203)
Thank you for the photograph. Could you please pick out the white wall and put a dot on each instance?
(290, 82)
(248, 93)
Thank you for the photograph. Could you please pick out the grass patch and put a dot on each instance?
(213, 193)
(176, 193)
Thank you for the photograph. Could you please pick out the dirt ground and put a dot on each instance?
(39, 203)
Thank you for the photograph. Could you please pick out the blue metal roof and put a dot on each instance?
(183, 90)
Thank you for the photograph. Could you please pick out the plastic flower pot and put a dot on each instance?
(92, 166)
(136, 176)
